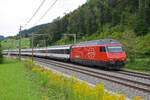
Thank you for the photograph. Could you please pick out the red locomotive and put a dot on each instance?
(106, 53)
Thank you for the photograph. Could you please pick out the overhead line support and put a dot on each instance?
(20, 43)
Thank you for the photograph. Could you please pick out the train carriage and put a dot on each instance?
(39, 52)
(59, 52)
(106, 53)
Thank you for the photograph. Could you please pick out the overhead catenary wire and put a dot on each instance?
(46, 12)
(41, 4)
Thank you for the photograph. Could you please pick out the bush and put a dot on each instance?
(130, 43)
(29, 64)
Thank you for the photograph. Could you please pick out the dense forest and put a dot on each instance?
(125, 20)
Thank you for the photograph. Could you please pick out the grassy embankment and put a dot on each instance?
(16, 83)
(12, 43)
(35, 83)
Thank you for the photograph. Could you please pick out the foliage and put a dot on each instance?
(142, 23)
(28, 63)
(139, 64)
(130, 43)
(98, 19)
(64, 88)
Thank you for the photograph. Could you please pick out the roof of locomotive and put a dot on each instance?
(53, 47)
(97, 42)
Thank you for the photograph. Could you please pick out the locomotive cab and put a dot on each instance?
(116, 55)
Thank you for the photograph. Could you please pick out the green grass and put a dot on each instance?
(140, 64)
(12, 44)
(16, 83)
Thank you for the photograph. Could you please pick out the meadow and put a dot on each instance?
(16, 83)
(14, 44)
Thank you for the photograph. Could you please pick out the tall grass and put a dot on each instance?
(60, 87)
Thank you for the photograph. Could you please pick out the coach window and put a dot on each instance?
(102, 49)
(67, 51)
(41, 51)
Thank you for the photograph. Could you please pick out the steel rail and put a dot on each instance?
(134, 74)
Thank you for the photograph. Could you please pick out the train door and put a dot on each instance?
(102, 54)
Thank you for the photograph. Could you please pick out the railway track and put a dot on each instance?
(140, 86)
(135, 74)
(105, 75)
(124, 72)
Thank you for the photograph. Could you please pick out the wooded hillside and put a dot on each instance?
(125, 20)
(27, 32)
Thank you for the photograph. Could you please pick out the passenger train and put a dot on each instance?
(108, 53)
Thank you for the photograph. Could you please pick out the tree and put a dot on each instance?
(142, 23)
(130, 42)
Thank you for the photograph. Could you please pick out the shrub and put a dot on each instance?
(29, 64)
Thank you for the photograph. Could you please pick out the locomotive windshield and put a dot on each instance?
(115, 49)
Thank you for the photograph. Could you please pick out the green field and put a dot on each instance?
(12, 43)
(16, 83)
